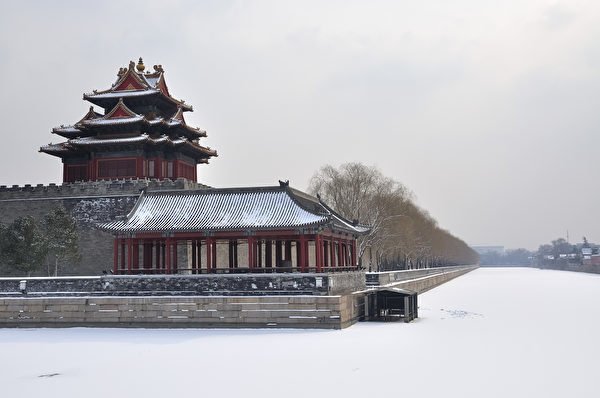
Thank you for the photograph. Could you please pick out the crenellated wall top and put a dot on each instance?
(122, 187)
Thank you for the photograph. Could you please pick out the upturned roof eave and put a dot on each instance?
(103, 98)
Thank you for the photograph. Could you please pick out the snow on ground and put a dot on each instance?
(491, 333)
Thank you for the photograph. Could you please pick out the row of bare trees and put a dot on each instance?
(402, 235)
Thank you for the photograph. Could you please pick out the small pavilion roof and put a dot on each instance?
(231, 209)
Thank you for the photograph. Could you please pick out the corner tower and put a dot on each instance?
(140, 133)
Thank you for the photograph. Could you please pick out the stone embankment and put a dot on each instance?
(418, 280)
(329, 301)
(324, 312)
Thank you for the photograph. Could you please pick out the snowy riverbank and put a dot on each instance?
(502, 332)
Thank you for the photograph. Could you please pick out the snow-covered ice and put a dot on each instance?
(491, 333)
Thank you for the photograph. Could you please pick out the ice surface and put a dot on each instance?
(491, 333)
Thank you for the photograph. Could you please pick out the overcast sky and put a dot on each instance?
(489, 111)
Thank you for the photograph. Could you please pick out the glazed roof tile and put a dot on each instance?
(226, 209)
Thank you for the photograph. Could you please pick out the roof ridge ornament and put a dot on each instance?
(140, 65)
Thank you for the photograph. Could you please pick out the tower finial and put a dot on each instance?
(140, 66)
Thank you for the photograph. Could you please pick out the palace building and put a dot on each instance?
(234, 230)
(141, 133)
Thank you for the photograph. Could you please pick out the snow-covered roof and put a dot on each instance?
(108, 141)
(113, 121)
(66, 130)
(123, 94)
(62, 147)
(132, 83)
(228, 209)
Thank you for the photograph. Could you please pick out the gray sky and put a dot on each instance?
(487, 110)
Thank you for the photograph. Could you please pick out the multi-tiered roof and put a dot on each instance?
(141, 121)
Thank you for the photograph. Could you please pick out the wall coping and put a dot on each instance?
(202, 276)
(95, 188)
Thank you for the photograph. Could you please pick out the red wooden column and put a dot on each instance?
(194, 256)
(147, 258)
(332, 252)
(230, 252)
(251, 248)
(268, 253)
(259, 253)
(302, 258)
(278, 254)
(139, 167)
(163, 254)
(157, 255)
(116, 256)
(353, 252)
(168, 256)
(319, 252)
(123, 262)
(129, 254)
(298, 254)
(208, 254)
(136, 255)
(341, 256)
(174, 266)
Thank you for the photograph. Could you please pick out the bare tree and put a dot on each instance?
(360, 193)
(402, 234)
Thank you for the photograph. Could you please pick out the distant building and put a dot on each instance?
(488, 249)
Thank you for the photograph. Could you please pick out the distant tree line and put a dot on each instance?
(402, 235)
(516, 257)
(558, 254)
(26, 245)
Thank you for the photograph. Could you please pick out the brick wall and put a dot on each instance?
(324, 312)
(88, 203)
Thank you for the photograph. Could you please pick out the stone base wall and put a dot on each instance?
(187, 285)
(323, 312)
